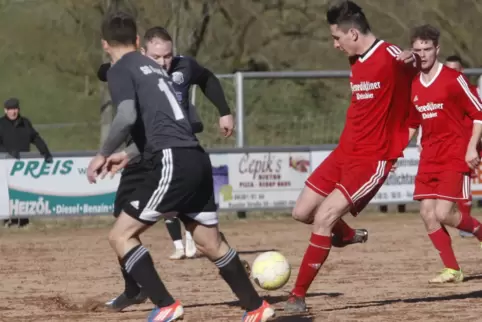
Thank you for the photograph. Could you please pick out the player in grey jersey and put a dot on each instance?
(184, 72)
(178, 179)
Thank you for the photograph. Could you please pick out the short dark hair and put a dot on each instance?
(119, 28)
(156, 32)
(347, 14)
(425, 33)
(454, 59)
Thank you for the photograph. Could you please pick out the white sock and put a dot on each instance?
(188, 235)
(178, 244)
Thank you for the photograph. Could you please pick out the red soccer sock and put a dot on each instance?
(469, 224)
(341, 229)
(465, 207)
(315, 255)
(443, 243)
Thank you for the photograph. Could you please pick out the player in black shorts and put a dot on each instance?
(184, 72)
(178, 178)
(156, 45)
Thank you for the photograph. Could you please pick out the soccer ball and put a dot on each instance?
(270, 270)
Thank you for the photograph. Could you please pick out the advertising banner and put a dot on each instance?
(260, 180)
(58, 188)
(242, 181)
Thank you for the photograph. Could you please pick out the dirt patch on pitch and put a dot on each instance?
(65, 275)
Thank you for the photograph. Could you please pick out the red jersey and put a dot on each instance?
(441, 107)
(375, 127)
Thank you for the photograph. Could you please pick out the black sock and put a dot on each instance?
(174, 228)
(234, 273)
(138, 264)
(131, 289)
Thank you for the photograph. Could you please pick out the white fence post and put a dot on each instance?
(238, 82)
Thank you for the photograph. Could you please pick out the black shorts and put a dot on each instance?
(132, 175)
(177, 181)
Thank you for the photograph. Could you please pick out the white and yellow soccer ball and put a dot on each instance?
(270, 270)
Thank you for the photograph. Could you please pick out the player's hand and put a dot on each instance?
(472, 158)
(407, 57)
(114, 164)
(394, 167)
(226, 125)
(95, 167)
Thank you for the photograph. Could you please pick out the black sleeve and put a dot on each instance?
(36, 139)
(102, 72)
(210, 86)
(194, 119)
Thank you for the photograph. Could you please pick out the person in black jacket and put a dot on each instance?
(16, 135)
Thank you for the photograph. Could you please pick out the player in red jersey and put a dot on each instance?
(442, 99)
(374, 136)
(464, 206)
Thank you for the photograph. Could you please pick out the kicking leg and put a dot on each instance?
(465, 208)
(326, 217)
(441, 241)
(309, 202)
(210, 242)
(468, 224)
(137, 262)
(174, 228)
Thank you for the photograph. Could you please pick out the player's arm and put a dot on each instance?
(102, 72)
(470, 101)
(411, 133)
(210, 86)
(411, 61)
(413, 123)
(122, 92)
(419, 139)
(132, 151)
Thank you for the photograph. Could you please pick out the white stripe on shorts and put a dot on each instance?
(371, 183)
(164, 181)
(466, 187)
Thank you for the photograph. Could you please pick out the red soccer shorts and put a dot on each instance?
(358, 180)
(447, 185)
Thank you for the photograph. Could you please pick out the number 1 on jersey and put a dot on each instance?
(176, 108)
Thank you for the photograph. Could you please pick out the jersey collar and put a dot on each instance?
(370, 50)
(439, 69)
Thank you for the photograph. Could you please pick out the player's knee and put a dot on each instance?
(302, 214)
(212, 249)
(115, 238)
(443, 215)
(306, 205)
(429, 218)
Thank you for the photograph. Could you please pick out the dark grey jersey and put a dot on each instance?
(162, 122)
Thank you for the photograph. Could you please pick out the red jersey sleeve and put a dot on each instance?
(469, 99)
(409, 69)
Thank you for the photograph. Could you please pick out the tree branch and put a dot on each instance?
(200, 32)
